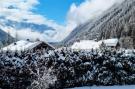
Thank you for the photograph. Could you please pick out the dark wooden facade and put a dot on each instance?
(42, 46)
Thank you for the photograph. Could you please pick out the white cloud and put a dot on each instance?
(28, 34)
(22, 9)
(88, 10)
(24, 34)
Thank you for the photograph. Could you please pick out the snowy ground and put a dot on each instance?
(108, 87)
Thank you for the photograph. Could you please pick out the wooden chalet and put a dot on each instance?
(40, 45)
(111, 43)
(26, 45)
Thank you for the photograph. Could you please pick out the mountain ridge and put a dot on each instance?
(116, 22)
(5, 38)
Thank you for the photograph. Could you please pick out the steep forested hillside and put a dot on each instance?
(116, 22)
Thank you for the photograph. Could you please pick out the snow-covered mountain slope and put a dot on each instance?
(5, 38)
(116, 22)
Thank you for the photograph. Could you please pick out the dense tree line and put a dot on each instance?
(65, 68)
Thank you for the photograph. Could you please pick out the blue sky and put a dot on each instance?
(55, 9)
(62, 15)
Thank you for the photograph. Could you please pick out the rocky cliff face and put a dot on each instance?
(116, 22)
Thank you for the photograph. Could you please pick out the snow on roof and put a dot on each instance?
(111, 42)
(85, 44)
(91, 44)
(21, 45)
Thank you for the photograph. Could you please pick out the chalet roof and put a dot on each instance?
(91, 44)
(111, 42)
(85, 45)
(24, 45)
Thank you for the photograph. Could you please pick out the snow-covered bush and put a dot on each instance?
(44, 81)
(64, 68)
